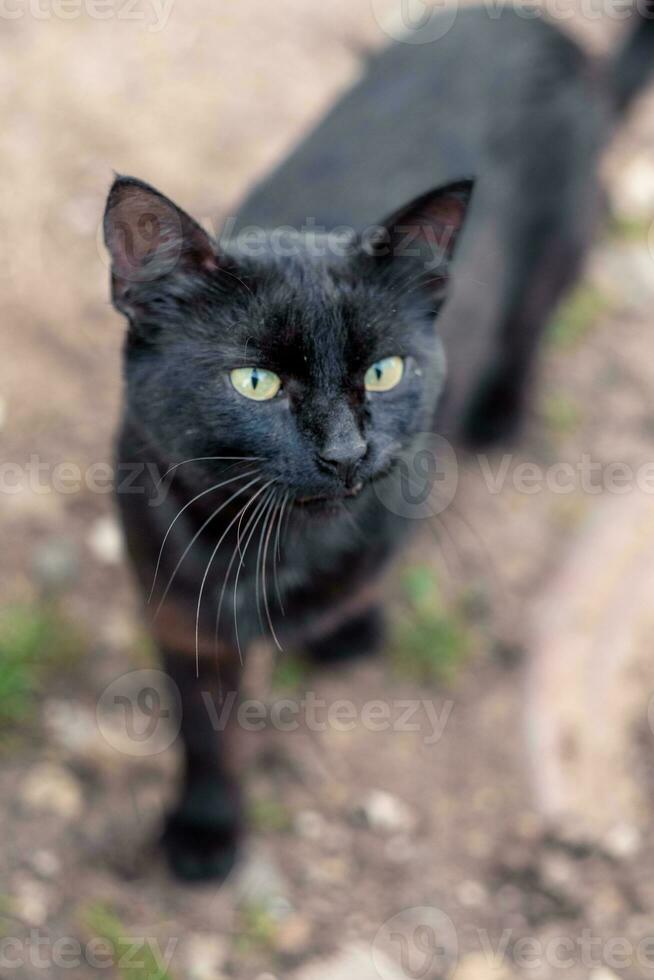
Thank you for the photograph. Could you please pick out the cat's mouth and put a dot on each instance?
(319, 501)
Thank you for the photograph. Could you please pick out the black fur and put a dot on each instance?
(358, 637)
(196, 312)
(279, 517)
(509, 98)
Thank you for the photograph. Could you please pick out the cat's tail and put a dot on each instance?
(634, 62)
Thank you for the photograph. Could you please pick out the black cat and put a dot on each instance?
(275, 381)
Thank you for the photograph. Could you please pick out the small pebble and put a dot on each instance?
(55, 564)
(293, 935)
(623, 841)
(106, 541)
(205, 955)
(633, 191)
(260, 880)
(32, 901)
(355, 962)
(602, 973)
(309, 824)
(471, 894)
(70, 725)
(386, 813)
(49, 788)
(557, 869)
(45, 863)
(478, 966)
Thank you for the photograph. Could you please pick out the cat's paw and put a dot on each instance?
(201, 838)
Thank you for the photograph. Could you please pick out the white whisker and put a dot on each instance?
(207, 459)
(277, 552)
(271, 524)
(259, 551)
(198, 533)
(260, 512)
(206, 575)
(237, 550)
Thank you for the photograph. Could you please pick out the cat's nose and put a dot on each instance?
(342, 456)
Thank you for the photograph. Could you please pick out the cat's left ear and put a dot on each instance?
(426, 230)
(152, 243)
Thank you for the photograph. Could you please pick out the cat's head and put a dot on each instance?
(320, 358)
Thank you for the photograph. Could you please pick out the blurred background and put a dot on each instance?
(504, 829)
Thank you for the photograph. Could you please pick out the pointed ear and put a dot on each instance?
(427, 230)
(150, 239)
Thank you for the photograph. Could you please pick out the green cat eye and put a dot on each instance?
(256, 383)
(385, 374)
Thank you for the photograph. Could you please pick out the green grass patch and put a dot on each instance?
(257, 929)
(143, 650)
(289, 673)
(562, 415)
(7, 918)
(429, 641)
(269, 815)
(134, 957)
(569, 512)
(577, 315)
(622, 228)
(35, 640)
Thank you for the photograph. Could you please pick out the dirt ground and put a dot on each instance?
(499, 837)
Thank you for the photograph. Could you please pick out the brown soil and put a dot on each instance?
(199, 109)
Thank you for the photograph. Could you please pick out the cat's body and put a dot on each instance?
(276, 518)
(509, 99)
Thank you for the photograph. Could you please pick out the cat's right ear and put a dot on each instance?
(153, 244)
(426, 231)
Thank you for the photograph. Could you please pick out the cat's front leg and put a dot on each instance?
(203, 831)
(360, 635)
